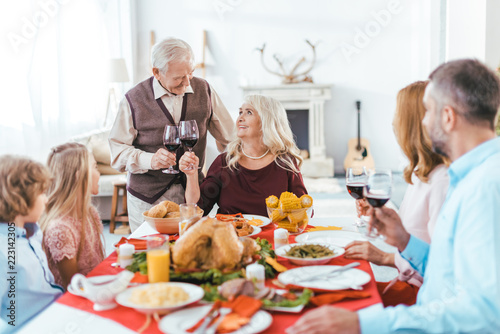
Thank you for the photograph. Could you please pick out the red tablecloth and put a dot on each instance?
(134, 320)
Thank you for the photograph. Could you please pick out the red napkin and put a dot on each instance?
(336, 296)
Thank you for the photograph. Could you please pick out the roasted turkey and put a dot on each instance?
(212, 244)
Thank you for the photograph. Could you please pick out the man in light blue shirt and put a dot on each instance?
(461, 268)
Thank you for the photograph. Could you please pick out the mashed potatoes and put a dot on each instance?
(159, 295)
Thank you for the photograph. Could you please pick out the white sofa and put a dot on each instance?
(97, 142)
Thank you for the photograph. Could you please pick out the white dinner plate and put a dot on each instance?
(265, 220)
(337, 251)
(178, 322)
(336, 238)
(195, 294)
(94, 280)
(256, 230)
(349, 279)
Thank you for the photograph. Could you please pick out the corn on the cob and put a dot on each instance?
(306, 201)
(272, 202)
(290, 227)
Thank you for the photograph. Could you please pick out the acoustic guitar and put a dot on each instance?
(358, 149)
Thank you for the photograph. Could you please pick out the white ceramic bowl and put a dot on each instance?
(337, 251)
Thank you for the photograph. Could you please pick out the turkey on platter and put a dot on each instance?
(212, 244)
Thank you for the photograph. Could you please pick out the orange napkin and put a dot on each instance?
(224, 217)
(139, 278)
(243, 308)
(324, 228)
(139, 244)
(336, 296)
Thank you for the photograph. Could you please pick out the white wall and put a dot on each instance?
(398, 53)
(479, 35)
(492, 52)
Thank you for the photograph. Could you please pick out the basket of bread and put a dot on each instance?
(165, 217)
(289, 211)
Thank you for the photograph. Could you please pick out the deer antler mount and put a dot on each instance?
(290, 76)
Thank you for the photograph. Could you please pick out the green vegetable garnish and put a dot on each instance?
(266, 250)
(212, 294)
(139, 263)
(303, 299)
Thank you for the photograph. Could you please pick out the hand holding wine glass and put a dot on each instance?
(172, 142)
(187, 161)
(389, 224)
(188, 133)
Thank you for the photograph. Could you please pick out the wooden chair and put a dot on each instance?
(118, 187)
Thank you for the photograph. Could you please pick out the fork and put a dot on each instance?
(330, 274)
(221, 314)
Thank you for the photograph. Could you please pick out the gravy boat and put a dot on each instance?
(101, 293)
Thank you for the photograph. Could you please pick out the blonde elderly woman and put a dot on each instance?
(263, 160)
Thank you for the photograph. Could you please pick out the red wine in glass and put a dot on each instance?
(172, 143)
(355, 180)
(377, 192)
(377, 201)
(189, 134)
(189, 142)
(378, 187)
(172, 147)
(356, 190)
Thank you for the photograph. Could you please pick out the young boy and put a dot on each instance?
(26, 283)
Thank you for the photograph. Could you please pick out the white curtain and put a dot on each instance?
(55, 63)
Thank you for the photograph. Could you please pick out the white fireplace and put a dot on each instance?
(310, 97)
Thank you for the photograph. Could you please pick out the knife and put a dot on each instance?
(222, 313)
(327, 274)
(213, 313)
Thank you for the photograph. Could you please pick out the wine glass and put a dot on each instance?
(188, 133)
(172, 142)
(355, 180)
(187, 211)
(378, 192)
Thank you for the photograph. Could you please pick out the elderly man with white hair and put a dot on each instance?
(171, 95)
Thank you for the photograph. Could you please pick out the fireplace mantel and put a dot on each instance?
(310, 97)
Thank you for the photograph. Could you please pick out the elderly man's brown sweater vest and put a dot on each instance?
(150, 116)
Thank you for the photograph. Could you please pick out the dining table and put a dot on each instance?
(75, 314)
